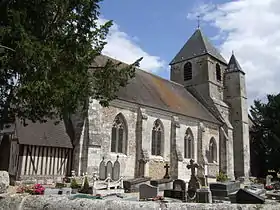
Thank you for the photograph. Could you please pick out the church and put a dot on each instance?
(200, 113)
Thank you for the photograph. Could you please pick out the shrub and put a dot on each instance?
(221, 177)
(86, 184)
(74, 184)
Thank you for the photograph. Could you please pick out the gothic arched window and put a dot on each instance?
(212, 151)
(188, 144)
(157, 138)
(187, 71)
(218, 73)
(119, 135)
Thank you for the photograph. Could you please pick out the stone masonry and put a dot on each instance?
(100, 121)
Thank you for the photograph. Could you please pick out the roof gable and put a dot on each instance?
(197, 45)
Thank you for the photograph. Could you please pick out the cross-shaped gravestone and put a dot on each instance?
(192, 166)
(193, 183)
(166, 176)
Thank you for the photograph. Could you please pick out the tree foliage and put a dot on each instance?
(54, 42)
(265, 135)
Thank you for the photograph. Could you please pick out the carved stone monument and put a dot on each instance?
(166, 176)
(194, 182)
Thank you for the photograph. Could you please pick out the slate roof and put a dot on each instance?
(233, 64)
(43, 134)
(197, 45)
(153, 91)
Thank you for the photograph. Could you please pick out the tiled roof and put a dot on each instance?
(233, 64)
(43, 134)
(197, 45)
(150, 90)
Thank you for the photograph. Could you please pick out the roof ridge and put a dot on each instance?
(144, 71)
(203, 39)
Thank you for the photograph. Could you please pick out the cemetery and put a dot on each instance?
(108, 188)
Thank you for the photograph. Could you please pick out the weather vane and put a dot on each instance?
(198, 21)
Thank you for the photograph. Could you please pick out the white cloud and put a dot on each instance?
(252, 29)
(123, 47)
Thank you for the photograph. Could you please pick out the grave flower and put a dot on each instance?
(38, 189)
(269, 187)
(158, 198)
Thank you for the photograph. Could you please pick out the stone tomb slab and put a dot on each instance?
(162, 184)
(178, 191)
(203, 195)
(275, 194)
(256, 189)
(132, 185)
(147, 191)
(224, 189)
(51, 191)
(245, 197)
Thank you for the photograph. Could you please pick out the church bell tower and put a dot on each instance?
(236, 97)
(199, 65)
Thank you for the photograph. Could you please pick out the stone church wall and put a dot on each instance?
(187, 123)
(100, 121)
(100, 126)
(156, 163)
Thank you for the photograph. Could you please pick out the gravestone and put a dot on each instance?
(116, 170)
(147, 191)
(203, 195)
(109, 169)
(268, 180)
(178, 191)
(66, 190)
(132, 185)
(59, 179)
(179, 185)
(194, 182)
(102, 170)
(166, 176)
(245, 197)
(164, 183)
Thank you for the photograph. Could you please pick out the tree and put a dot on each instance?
(265, 135)
(53, 43)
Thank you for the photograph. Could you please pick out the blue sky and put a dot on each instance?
(157, 29)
